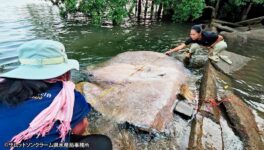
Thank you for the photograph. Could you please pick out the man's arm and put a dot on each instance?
(80, 128)
(220, 38)
(183, 45)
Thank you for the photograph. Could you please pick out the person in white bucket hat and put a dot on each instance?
(41, 59)
(38, 102)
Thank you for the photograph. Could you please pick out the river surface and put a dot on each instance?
(22, 21)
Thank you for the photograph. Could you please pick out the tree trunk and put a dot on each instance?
(136, 8)
(213, 15)
(139, 9)
(246, 11)
(146, 9)
(213, 11)
(152, 9)
(130, 11)
(159, 11)
(216, 8)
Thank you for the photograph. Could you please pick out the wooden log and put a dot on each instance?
(205, 134)
(196, 134)
(242, 120)
(225, 28)
(208, 93)
(206, 129)
(207, 121)
(238, 115)
(251, 21)
(226, 23)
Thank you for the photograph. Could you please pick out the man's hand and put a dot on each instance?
(210, 51)
(175, 49)
(169, 52)
(80, 127)
(187, 54)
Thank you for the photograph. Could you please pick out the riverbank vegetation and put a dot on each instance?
(117, 12)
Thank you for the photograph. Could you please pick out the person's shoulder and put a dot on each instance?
(80, 109)
(188, 41)
(79, 97)
(55, 86)
(208, 33)
(80, 102)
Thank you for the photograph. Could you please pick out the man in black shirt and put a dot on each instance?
(211, 40)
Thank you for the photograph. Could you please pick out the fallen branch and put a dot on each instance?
(226, 23)
(251, 21)
(225, 28)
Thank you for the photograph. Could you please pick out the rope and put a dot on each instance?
(214, 103)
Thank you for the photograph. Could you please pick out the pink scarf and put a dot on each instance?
(60, 109)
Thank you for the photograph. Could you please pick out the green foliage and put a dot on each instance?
(99, 10)
(70, 5)
(94, 9)
(63, 12)
(176, 10)
(258, 1)
(244, 2)
(117, 11)
(187, 9)
(225, 11)
(183, 10)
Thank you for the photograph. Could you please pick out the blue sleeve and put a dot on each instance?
(80, 109)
